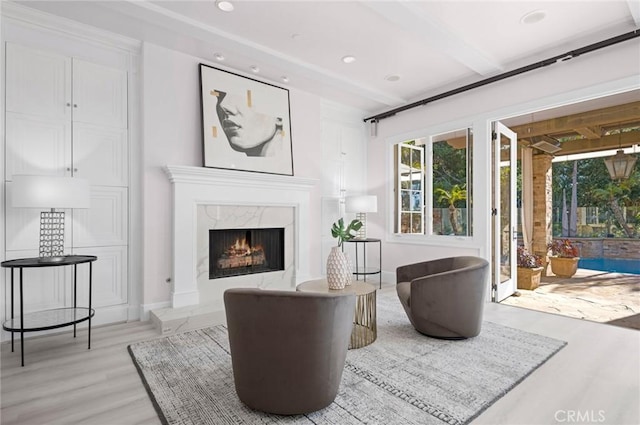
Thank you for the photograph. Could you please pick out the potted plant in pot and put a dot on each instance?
(529, 269)
(564, 257)
(338, 266)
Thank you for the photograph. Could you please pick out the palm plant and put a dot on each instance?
(456, 194)
(615, 194)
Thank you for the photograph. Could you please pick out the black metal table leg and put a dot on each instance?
(75, 296)
(21, 321)
(90, 277)
(12, 308)
(364, 260)
(380, 262)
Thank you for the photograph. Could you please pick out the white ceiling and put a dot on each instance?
(432, 46)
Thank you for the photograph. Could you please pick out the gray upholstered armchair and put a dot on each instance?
(444, 298)
(288, 349)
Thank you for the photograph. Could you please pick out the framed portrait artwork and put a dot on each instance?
(245, 123)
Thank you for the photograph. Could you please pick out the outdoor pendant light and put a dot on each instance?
(620, 165)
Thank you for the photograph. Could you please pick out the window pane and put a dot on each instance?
(416, 200)
(405, 156)
(405, 224)
(451, 177)
(416, 223)
(405, 200)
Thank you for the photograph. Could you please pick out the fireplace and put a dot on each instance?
(236, 252)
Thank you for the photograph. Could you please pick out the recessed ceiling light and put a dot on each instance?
(225, 6)
(218, 57)
(392, 77)
(533, 17)
(284, 79)
(348, 59)
(255, 69)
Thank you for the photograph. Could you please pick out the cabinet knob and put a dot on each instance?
(75, 170)
(68, 104)
(75, 105)
(68, 169)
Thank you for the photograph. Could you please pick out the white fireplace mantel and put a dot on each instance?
(194, 186)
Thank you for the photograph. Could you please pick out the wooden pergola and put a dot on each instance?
(591, 131)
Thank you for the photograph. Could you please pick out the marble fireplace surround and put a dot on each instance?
(194, 187)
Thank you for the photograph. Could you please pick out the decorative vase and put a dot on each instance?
(338, 270)
(529, 278)
(564, 267)
(350, 269)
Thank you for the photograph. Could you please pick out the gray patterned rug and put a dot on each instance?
(402, 378)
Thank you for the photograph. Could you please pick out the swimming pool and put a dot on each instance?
(610, 265)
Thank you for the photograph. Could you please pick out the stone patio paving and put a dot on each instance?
(598, 296)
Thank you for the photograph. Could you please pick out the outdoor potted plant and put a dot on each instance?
(564, 257)
(339, 272)
(529, 269)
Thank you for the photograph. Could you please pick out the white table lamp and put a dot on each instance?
(51, 193)
(361, 205)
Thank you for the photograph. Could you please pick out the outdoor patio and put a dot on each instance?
(598, 296)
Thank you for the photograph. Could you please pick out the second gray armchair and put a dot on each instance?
(444, 298)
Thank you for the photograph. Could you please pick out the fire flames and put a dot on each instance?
(241, 248)
(241, 254)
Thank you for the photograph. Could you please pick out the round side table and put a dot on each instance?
(364, 320)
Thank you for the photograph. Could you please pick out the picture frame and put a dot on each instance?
(246, 123)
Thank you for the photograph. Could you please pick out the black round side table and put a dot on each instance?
(54, 318)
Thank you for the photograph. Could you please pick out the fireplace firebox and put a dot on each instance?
(236, 252)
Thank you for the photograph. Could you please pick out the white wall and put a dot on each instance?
(608, 71)
(171, 123)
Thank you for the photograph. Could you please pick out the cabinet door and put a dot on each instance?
(100, 154)
(38, 83)
(38, 112)
(105, 223)
(109, 287)
(37, 145)
(99, 95)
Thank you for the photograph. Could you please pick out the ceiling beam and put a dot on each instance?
(412, 17)
(634, 8)
(589, 132)
(613, 141)
(600, 117)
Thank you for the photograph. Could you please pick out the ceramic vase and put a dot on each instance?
(338, 270)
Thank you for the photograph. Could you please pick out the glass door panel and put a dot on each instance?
(504, 199)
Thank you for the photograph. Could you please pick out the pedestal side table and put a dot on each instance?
(365, 329)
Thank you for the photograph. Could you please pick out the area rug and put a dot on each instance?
(402, 378)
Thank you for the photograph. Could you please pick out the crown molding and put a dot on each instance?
(46, 21)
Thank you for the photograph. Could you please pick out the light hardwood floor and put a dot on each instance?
(594, 379)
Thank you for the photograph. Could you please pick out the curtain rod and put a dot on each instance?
(560, 58)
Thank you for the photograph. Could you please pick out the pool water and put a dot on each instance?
(610, 265)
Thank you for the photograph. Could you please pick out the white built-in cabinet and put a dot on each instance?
(344, 170)
(68, 117)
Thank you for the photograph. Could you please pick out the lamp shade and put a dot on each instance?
(361, 204)
(49, 192)
(620, 165)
